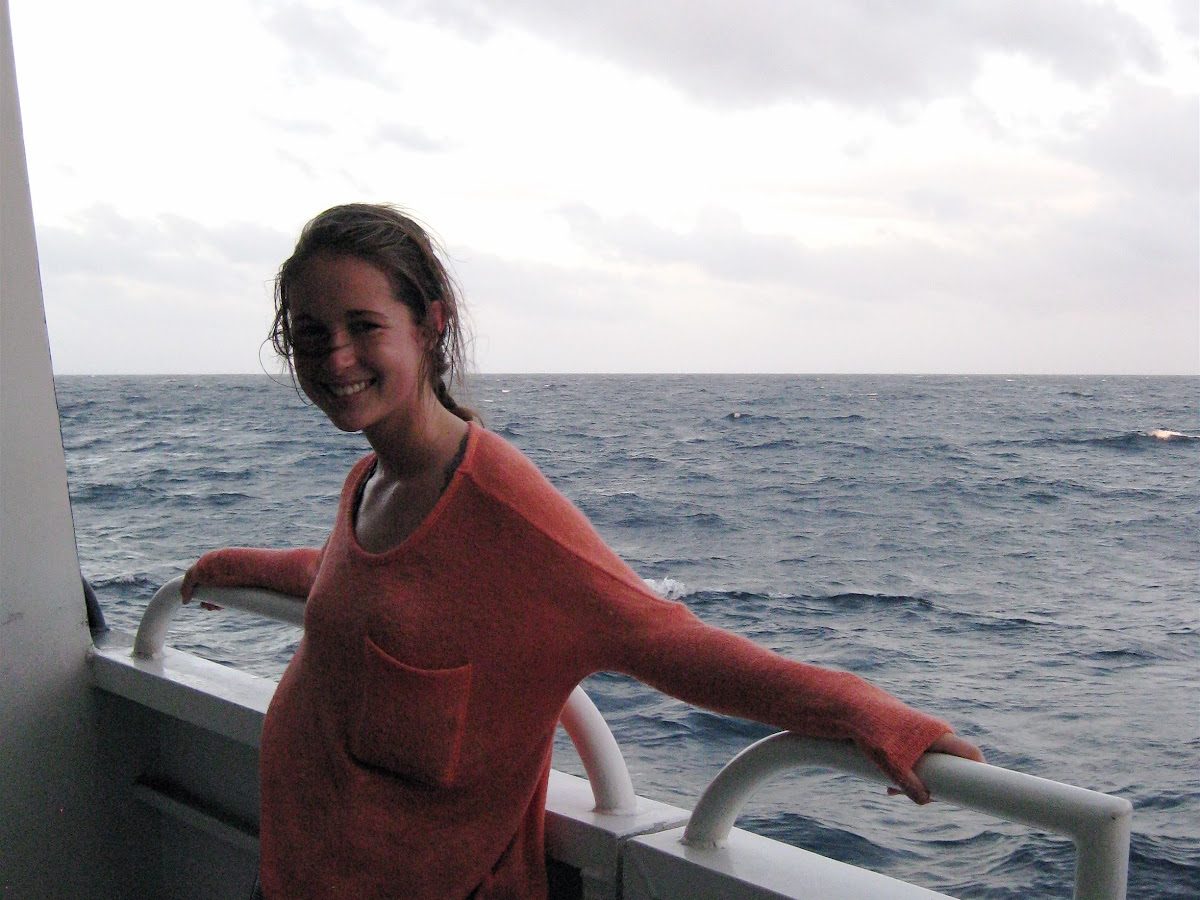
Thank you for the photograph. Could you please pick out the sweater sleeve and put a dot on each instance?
(663, 644)
(606, 618)
(287, 571)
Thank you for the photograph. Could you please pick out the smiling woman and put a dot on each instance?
(456, 605)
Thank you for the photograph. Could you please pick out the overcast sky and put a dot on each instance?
(632, 186)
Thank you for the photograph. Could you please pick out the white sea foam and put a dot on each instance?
(667, 588)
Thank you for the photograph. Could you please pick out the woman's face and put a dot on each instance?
(357, 351)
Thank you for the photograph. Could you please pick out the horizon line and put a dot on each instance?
(929, 374)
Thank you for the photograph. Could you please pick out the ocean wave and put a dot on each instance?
(1042, 497)
(125, 582)
(748, 601)
(1137, 440)
(714, 728)
(205, 474)
(1036, 866)
(1163, 867)
(1007, 623)
(974, 620)
(1127, 655)
(745, 418)
(782, 444)
(667, 587)
(106, 494)
(84, 443)
(861, 599)
(818, 837)
(725, 600)
(193, 500)
(1129, 440)
(1164, 434)
(641, 461)
(1134, 440)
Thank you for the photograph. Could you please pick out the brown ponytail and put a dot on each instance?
(443, 395)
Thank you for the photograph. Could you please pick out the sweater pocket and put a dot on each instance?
(410, 721)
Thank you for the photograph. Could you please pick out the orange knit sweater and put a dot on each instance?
(407, 748)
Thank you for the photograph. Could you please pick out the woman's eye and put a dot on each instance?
(362, 327)
(309, 340)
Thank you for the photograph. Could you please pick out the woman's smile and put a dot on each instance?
(341, 391)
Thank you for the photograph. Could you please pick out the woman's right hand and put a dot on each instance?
(949, 743)
(191, 580)
(194, 578)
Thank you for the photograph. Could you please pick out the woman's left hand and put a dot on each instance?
(949, 743)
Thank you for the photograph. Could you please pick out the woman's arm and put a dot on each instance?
(666, 646)
(287, 571)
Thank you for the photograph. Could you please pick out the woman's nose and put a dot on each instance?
(341, 353)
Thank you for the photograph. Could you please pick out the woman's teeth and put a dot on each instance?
(346, 390)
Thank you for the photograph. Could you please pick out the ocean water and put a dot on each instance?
(1018, 555)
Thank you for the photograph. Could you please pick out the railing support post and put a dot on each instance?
(600, 755)
(1098, 823)
(597, 748)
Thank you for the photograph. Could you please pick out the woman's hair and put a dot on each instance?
(400, 248)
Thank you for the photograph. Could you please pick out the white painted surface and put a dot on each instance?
(206, 694)
(50, 817)
(749, 867)
(221, 703)
(593, 842)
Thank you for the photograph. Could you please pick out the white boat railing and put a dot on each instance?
(1099, 824)
(597, 748)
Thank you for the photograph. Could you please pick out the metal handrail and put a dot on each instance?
(152, 631)
(1099, 824)
(607, 772)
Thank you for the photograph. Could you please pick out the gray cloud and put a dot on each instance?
(1101, 292)
(938, 203)
(1150, 139)
(857, 52)
(1129, 253)
(164, 294)
(301, 127)
(542, 291)
(325, 40)
(1187, 18)
(408, 137)
(1133, 248)
(168, 251)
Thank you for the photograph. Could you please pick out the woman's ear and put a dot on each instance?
(435, 318)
